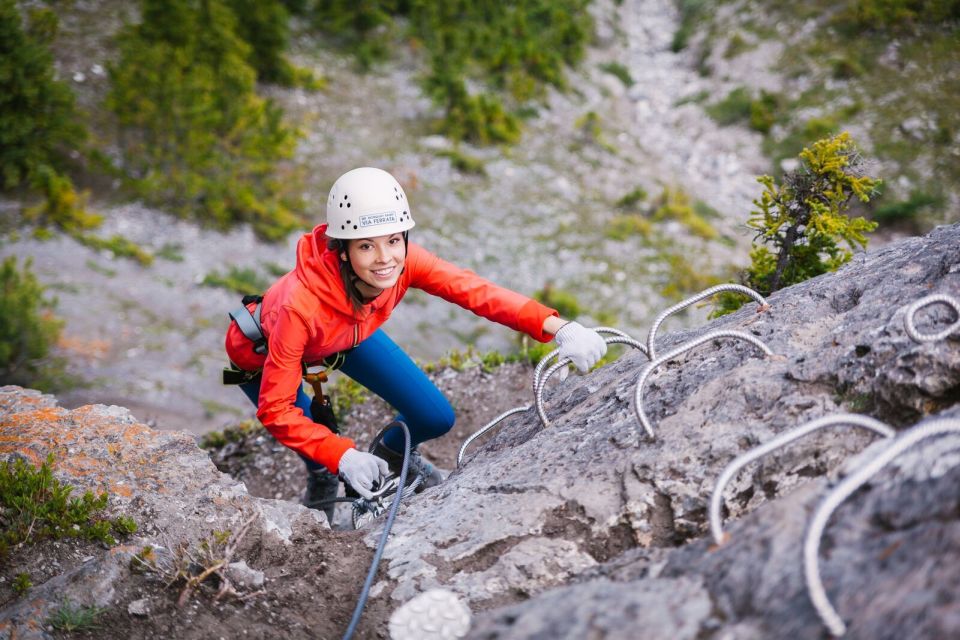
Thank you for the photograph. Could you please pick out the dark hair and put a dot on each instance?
(347, 275)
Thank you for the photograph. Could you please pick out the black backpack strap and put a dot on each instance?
(249, 323)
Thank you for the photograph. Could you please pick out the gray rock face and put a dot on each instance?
(588, 497)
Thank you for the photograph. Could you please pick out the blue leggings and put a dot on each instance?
(382, 367)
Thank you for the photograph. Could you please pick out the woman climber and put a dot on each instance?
(350, 274)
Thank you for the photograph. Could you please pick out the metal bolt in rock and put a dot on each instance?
(811, 543)
(909, 320)
(541, 410)
(781, 440)
(696, 342)
(706, 293)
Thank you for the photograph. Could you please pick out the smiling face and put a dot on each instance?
(378, 261)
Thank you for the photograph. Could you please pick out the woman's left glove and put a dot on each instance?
(583, 346)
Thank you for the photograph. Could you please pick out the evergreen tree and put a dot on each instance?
(195, 135)
(28, 328)
(39, 125)
(264, 25)
(801, 223)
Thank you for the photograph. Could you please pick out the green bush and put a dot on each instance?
(22, 583)
(801, 223)
(511, 49)
(632, 199)
(618, 70)
(28, 328)
(907, 210)
(39, 123)
(196, 137)
(35, 506)
(265, 26)
(242, 280)
(732, 109)
(896, 15)
(691, 15)
(675, 204)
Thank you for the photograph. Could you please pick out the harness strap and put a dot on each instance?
(249, 323)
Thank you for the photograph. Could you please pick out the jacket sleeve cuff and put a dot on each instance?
(331, 451)
(532, 316)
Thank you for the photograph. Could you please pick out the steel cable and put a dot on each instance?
(706, 293)
(375, 563)
(911, 328)
(539, 389)
(781, 440)
(811, 543)
(696, 342)
(485, 428)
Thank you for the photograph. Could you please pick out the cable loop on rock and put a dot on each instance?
(781, 440)
(706, 293)
(538, 371)
(485, 428)
(811, 543)
(909, 317)
(696, 342)
(539, 383)
(539, 389)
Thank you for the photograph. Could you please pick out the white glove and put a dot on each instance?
(583, 346)
(362, 471)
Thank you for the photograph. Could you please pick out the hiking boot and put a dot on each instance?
(418, 466)
(321, 486)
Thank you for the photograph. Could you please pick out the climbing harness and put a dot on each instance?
(909, 317)
(730, 472)
(706, 293)
(811, 543)
(696, 342)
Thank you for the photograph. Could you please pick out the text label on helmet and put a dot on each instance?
(375, 219)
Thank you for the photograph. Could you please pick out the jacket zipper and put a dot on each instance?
(356, 335)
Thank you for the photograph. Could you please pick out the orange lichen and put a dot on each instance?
(35, 459)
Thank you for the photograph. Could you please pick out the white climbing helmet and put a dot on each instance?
(365, 203)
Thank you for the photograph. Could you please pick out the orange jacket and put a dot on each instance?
(306, 316)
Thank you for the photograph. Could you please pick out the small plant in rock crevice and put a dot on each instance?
(35, 506)
(801, 222)
(71, 618)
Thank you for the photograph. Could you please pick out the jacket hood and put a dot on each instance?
(318, 268)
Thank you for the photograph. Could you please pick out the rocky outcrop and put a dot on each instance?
(535, 507)
(587, 528)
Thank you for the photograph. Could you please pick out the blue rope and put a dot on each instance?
(365, 593)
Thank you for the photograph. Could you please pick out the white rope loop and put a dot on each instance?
(485, 428)
(539, 389)
(696, 342)
(781, 440)
(706, 293)
(909, 317)
(811, 543)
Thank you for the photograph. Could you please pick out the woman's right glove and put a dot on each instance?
(583, 346)
(362, 471)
